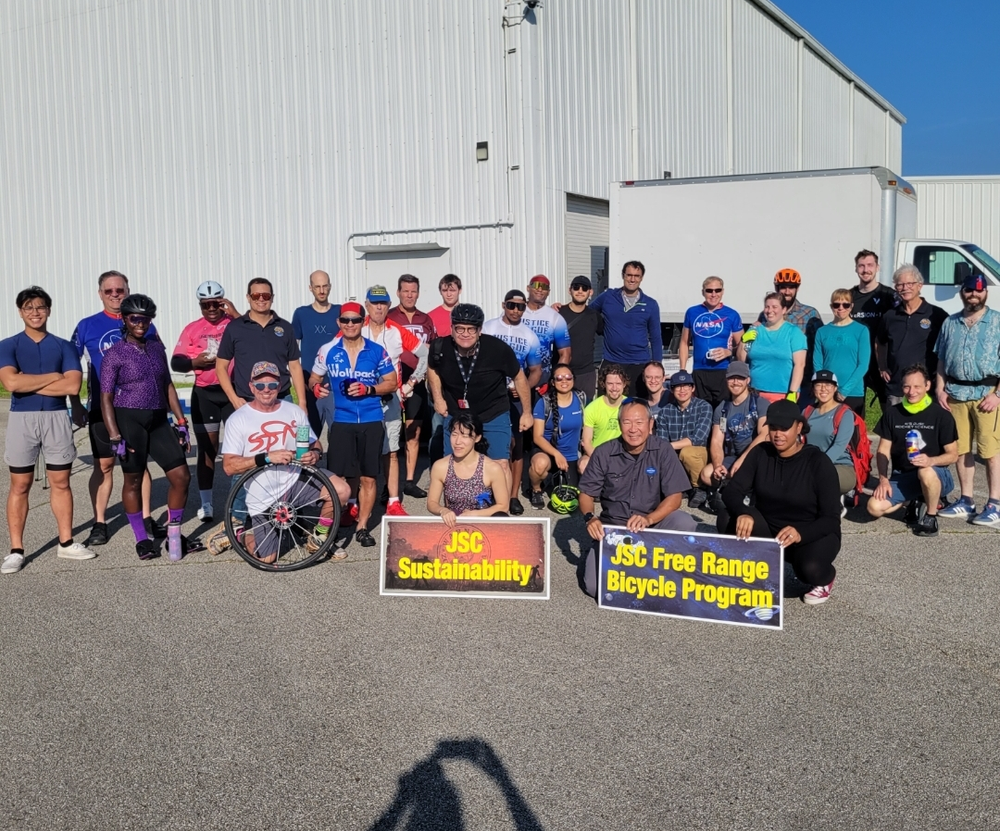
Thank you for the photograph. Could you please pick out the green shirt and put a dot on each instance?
(603, 419)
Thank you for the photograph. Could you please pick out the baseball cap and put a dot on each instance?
(974, 282)
(680, 378)
(783, 414)
(824, 376)
(539, 278)
(352, 307)
(581, 280)
(264, 368)
(737, 369)
(512, 294)
(378, 294)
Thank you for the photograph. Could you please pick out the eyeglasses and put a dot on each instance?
(906, 285)
(712, 291)
(562, 378)
(464, 330)
(261, 295)
(32, 309)
(841, 305)
(138, 320)
(211, 304)
(538, 286)
(321, 288)
(351, 321)
(511, 305)
(266, 385)
(115, 292)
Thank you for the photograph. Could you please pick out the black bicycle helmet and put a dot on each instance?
(138, 304)
(468, 314)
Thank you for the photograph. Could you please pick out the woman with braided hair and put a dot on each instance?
(557, 433)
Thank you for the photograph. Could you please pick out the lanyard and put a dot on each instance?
(467, 376)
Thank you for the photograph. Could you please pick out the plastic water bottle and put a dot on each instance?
(174, 549)
(912, 444)
(301, 440)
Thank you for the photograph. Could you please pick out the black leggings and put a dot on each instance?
(148, 434)
(812, 561)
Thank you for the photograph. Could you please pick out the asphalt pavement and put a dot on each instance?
(207, 694)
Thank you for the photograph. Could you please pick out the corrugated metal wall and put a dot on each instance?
(179, 141)
(964, 208)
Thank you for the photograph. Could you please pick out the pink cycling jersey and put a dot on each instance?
(195, 339)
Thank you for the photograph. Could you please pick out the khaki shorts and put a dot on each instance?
(50, 432)
(971, 423)
(693, 460)
(392, 414)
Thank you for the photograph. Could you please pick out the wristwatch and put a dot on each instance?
(588, 516)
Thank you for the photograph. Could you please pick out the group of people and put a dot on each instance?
(515, 405)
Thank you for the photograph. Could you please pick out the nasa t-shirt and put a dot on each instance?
(711, 329)
(92, 338)
(934, 425)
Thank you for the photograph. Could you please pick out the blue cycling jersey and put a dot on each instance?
(372, 364)
(92, 338)
(520, 338)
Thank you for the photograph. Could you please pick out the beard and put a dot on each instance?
(973, 306)
(786, 302)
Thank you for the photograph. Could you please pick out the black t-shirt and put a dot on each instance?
(584, 327)
(935, 425)
(487, 388)
(910, 340)
(869, 308)
(245, 342)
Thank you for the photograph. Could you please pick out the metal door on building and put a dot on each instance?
(587, 235)
(429, 266)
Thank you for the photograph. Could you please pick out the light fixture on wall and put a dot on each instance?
(482, 151)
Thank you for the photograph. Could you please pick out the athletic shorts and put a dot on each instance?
(356, 449)
(392, 415)
(906, 486)
(416, 404)
(496, 434)
(572, 474)
(50, 432)
(97, 432)
(148, 435)
(210, 407)
(971, 423)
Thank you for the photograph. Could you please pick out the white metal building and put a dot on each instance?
(180, 140)
(959, 207)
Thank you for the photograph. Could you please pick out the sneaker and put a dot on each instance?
(843, 506)
(12, 563)
(989, 516)
(411, 489)
(154, 529)
(75, 551)
(218, 540)
(364, 538)
(98, 535)
(537, 500)
(350, 516)
(817, 595)
(698, 499)
(963, 507)
(515, 508)
(147, 549)
(926, 527)
(914, 511)
(205, 513)
(396, 509)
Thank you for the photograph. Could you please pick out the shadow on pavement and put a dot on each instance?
(427, 801)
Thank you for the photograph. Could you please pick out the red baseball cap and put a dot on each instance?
(352, 307)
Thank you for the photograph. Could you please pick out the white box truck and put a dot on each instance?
(745, 228)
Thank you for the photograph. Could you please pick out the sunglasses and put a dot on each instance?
(211, 304)
(538, 286)
(113, 292)
(562, 378)
(510, 304)
(841, 305)
(266, 385)
(351, 321)
(712, 291)
(138, 320)
(578, 288)
(261, 295)
(972, 291)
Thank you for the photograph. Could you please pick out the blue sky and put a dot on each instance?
(935, 61)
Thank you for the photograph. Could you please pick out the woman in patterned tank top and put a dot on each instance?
(464, 480)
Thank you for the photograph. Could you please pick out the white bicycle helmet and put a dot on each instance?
(210, 290)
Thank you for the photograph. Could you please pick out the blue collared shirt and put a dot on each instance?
(969, 353)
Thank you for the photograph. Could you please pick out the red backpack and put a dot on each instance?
(859, 448)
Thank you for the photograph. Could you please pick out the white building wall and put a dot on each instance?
(186, 140)
(826, 115)
(963, 208)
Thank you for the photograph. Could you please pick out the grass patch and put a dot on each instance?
(873, 411)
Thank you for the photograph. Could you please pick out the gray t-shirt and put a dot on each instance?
(738, 422)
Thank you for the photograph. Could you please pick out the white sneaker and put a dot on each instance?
(205, 513)
(75, 551)
(12, 563)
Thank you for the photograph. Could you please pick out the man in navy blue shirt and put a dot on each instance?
(39, 370)
(314, 326)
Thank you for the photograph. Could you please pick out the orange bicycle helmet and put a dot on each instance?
(788, 276)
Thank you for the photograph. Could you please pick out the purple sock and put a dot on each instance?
(138, 528)
(174, 514)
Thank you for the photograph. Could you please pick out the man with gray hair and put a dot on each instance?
(908, 333)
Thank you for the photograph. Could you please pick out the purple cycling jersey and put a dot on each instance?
(138, 377)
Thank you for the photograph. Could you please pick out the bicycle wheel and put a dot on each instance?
(272, 512)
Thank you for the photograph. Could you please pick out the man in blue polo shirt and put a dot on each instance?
(315, 325)
(360, 372)
(39, 370)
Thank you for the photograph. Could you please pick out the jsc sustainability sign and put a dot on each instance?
(482, 557)
(702, 576)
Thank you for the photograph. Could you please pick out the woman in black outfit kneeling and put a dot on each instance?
(794, 498)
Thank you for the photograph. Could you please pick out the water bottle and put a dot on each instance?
(912, 444)
(174, 550)
(301, 440)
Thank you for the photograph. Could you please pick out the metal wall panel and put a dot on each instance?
(826, 115)
(869, 132)
(964, 208)
(894, 144)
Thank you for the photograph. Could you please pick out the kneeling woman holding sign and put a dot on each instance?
(469, 483)
(795, 498)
